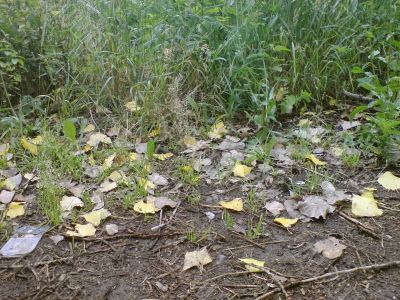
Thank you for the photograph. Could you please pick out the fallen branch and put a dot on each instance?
(357, 96)
(395, 263)
(360, 225)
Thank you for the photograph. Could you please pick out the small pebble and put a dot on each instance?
(210, 215)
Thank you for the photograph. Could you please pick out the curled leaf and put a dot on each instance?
(146, 207)
(252, 261)
(197, 258)
(315, 160)
(365, 205)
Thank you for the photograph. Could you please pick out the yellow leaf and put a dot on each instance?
(252, 261)
(218, 130)
(4, 149)
(89, 128)
(315, 160)
(241, 170)
(155, 132)
(132, 106)
(33, 149)
(389, 181)
(304, 122)
(96, 138)
(133, 156)
(365, 205)
(163, 156)
(15, 209)
(118, 176)
(146, 207)
(146, 184)
(235, 204)
(37, 140)
(82, 230)
(87, 148)
(109, 161)
(95, 217)
(189, 141)
(286, 222)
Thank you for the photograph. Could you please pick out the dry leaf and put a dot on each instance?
(196, 259)
(146, 184)
(252, 261)
(315, 207)
(389, 181)
(274, 207)
(161, 202)
(82, 230)
(6, 196)
(111, 229)
(32, 148)
(241, 170)
(97, 200)
(235, 204)
(89, 128)
(146, 207)
(315, 160)
(331, 248)
(13, 182)
(109, 161)
(163, 156)
(37, 140)
(157, 179)
(95, 217)
(15, 209)
(96, 138)
(286, 222)
(107, 186)
(155, 132)
(68, 203)
(218, 130)
(118, 176)
(189, 141)
(133, 156)
(365, 205)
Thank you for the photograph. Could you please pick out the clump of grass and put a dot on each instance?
(49, 198)
(351, 160)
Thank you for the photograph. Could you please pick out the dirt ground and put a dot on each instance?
(140, 263)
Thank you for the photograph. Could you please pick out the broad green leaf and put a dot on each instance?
(69, 130)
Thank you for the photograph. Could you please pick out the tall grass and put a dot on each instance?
(184, 59)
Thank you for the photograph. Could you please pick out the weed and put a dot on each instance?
(229, 221)
(313, 182)
(49, 198)
(188, 175)
(5, 227)
(351, 160)
(252, 201)
(255, 232)
(193, 198)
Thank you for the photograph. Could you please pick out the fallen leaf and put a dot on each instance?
(331, 194)
(163, 156)
(77, 190)
(241, 170)
(314, 207)
(389, 181)
(157, 179)
(161, 202)
(252, 261)
(197, 258)
(133, 156)
(109, 161)
(218, 130)
(132, 106)
(346, 125)
(111, 229)
(32, 148)
(68, 203)
(93, 171)
(95, 217)
(274, 207)
(146, 184)
(96, 138)
(38, 140)
(235, 204)
(286, 222)
(97, 199)
(315, 160)
(330, 248)
(15, 209)
(89, 128)
(82, 230)
(228, 144)
(118, 176)
(146, 207)
(6, 196)
(4, 149)
(365, 205)
(13, 182)
(107, 186)
(113, 131)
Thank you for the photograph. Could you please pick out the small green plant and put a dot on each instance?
(5, 227)
(192, 236)
(188, 175)
(193, 198)
(49, 198)
(255, 232)
(351, 160)
(69, 130)
(313, 182)
(229, 221)
(252, 201)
